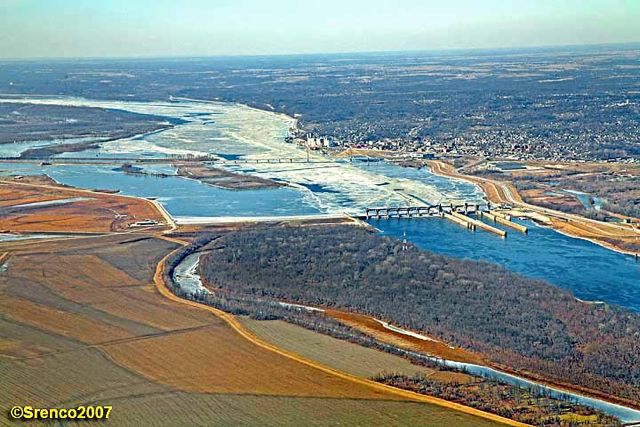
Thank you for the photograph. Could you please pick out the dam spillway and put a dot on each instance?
(458, 213)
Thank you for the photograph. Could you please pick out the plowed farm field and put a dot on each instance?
(82, 323)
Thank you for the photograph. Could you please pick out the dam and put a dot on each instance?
(592, 272)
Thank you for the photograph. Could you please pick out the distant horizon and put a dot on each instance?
(79, 29)
(506, 49)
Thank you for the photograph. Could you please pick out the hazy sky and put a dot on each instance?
(97, 28)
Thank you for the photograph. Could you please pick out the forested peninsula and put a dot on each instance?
(526, 324)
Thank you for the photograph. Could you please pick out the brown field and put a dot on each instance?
(369, 326)
(224, 362)
(101, 212)
(539, 196)
(332, 352)
(81, 322)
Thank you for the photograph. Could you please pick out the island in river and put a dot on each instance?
(223, 178)
(21, 122)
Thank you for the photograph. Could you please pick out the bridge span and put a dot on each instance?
(160, 160)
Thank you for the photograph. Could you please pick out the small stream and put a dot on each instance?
(186, 274)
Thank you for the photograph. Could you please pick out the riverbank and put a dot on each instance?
(611, 236)
(372, 326)
(508, 329)
(35, 204)
(164, 283)
(75, 147)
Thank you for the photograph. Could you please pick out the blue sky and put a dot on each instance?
(108, 28)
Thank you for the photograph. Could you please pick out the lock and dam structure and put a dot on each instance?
(458, 213)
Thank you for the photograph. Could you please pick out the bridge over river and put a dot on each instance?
(162, 160)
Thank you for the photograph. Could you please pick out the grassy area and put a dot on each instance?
(338, 354)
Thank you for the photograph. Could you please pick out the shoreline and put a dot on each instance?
(590, 240)
(163, 272)
(252, 107)
(78, 147)
(485, 364)
(557, 386)
(442, 171)
(604, 245)
(224, 178)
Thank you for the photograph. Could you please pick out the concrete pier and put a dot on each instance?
(501, 215)
(480, 224)
(460, 220)
(505, 219)
(488, 215)
(514, 225)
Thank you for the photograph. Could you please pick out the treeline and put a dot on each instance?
(265, 309)
(523, 323)
(532, 406)
(33, 122)
(535, 404)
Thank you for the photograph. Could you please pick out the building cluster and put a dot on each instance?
(311, 141)
(499, 143)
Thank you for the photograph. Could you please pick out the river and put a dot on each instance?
(593, 273)
(590, 271)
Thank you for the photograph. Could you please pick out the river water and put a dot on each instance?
(591, 272)
(185, 275)
(234, 131)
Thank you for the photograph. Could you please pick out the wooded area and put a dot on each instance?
(531, 406)
(523, 323)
